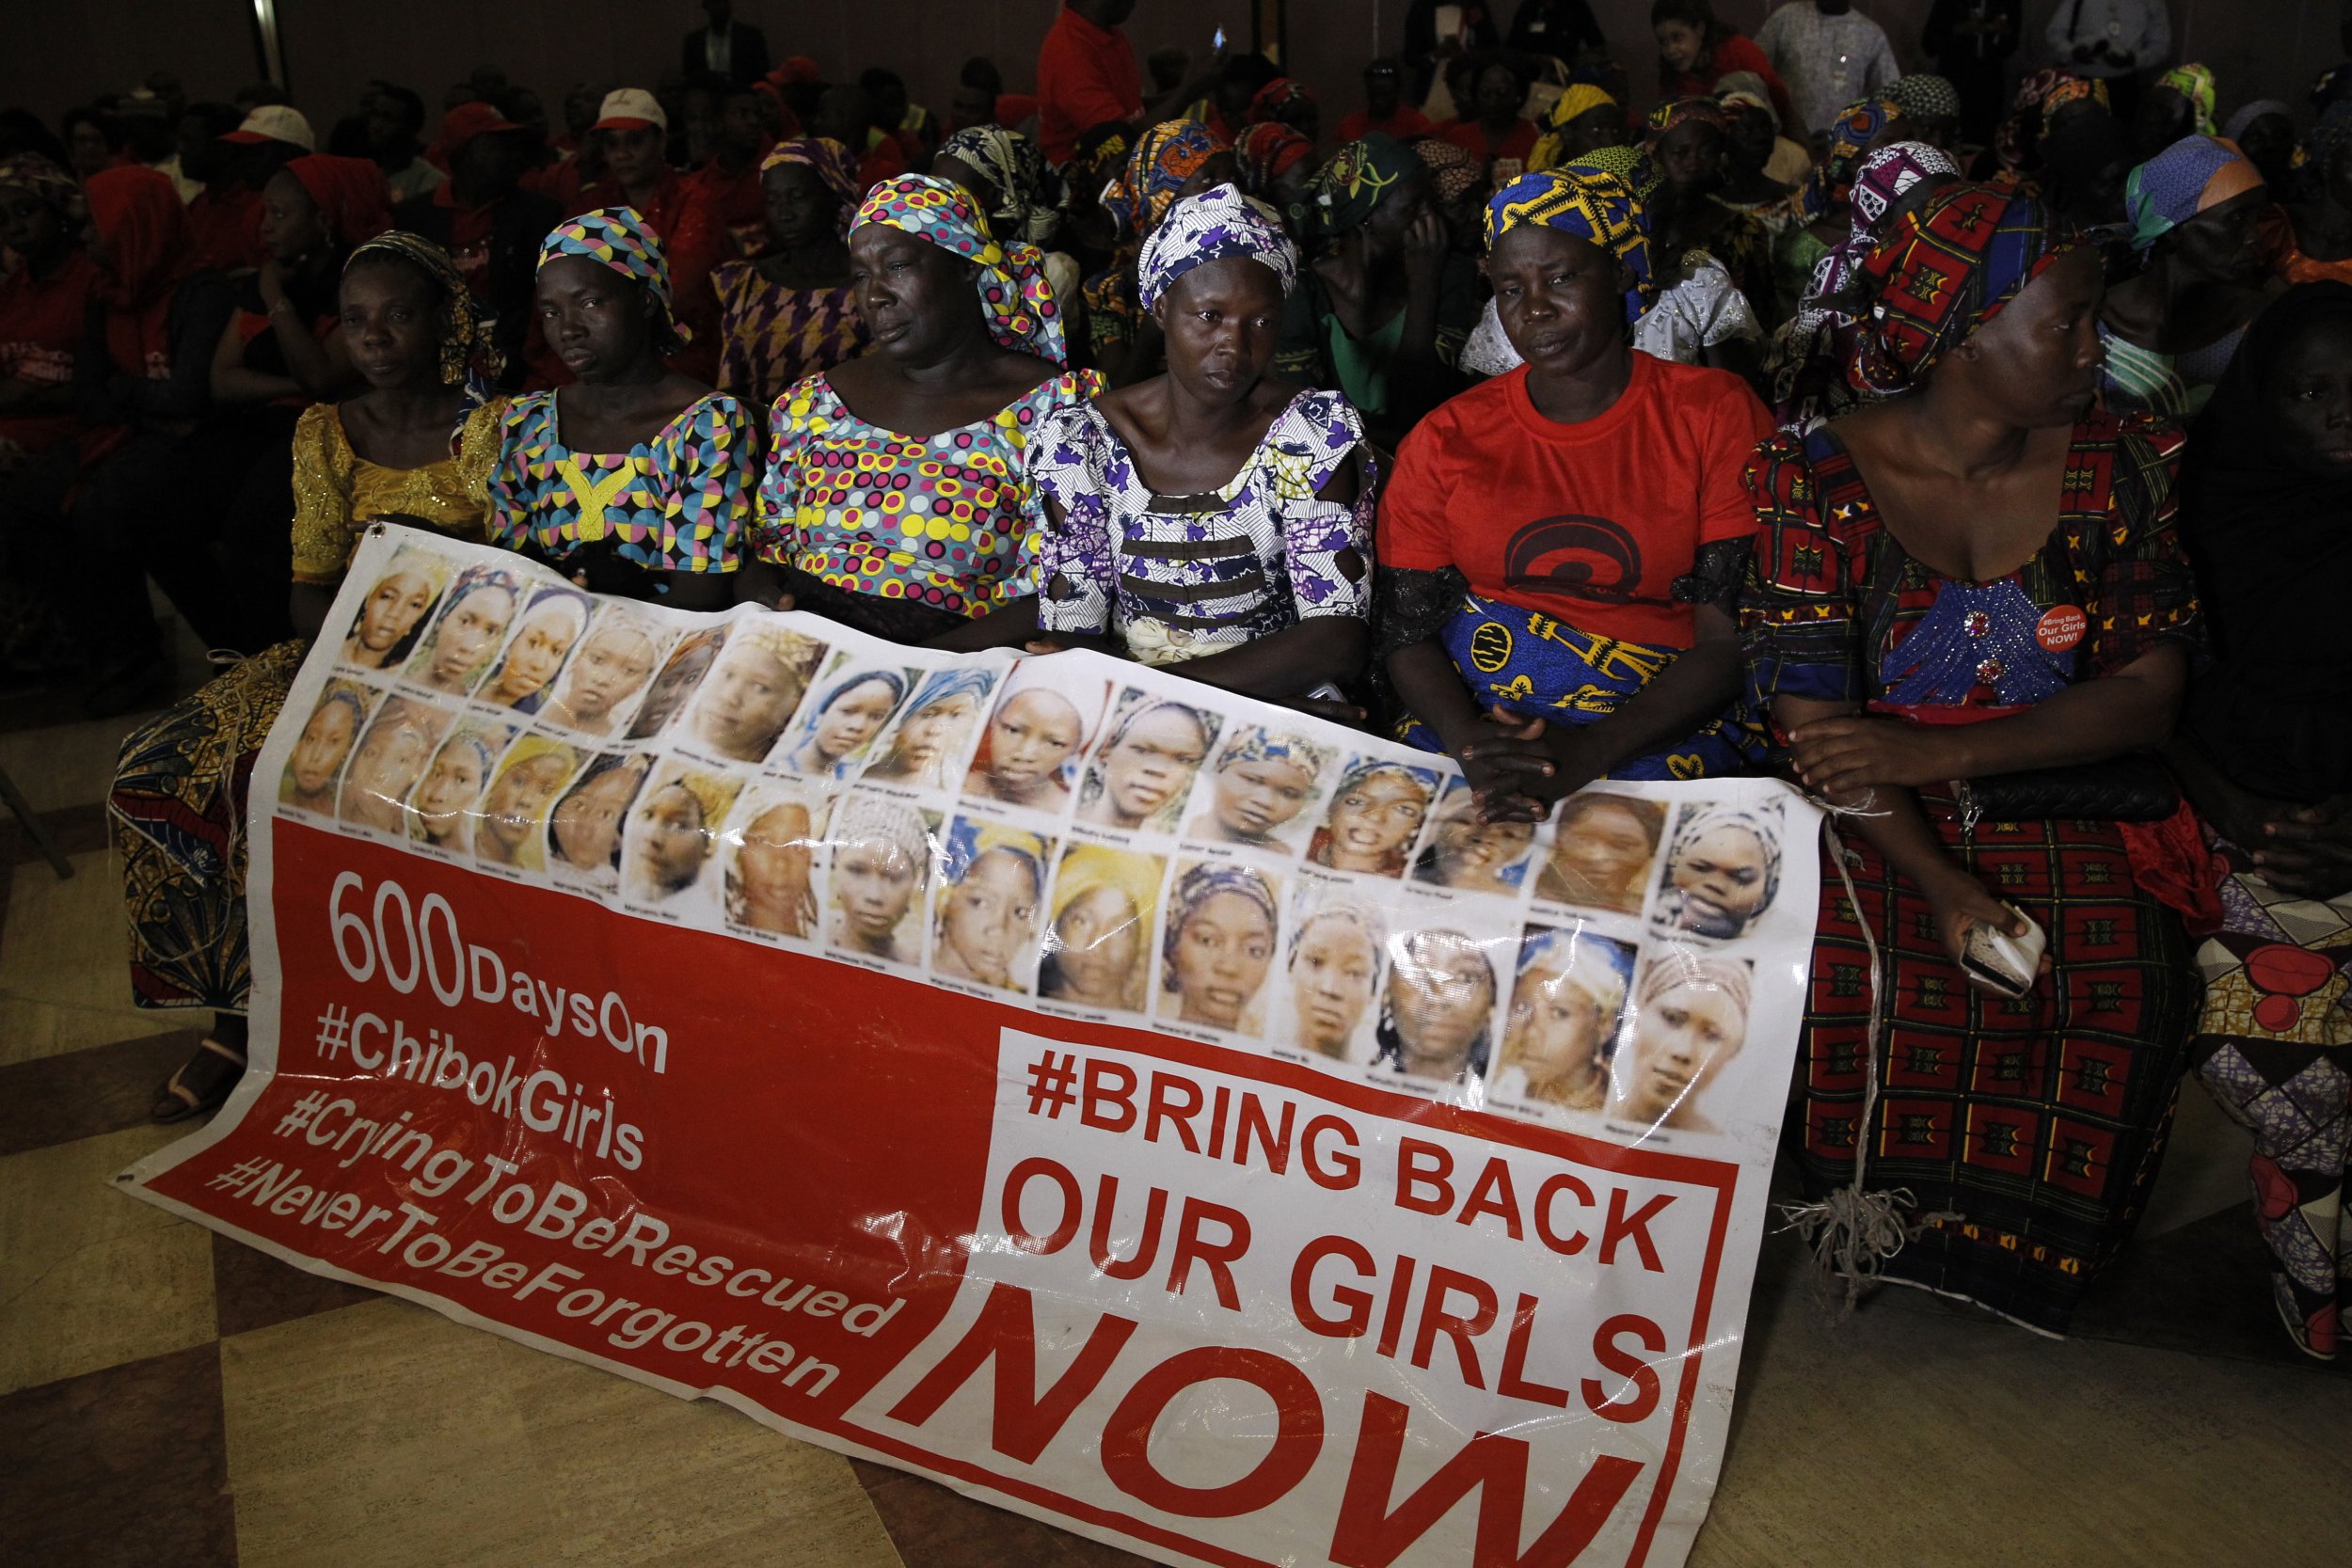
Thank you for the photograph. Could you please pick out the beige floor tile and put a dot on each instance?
(66, 765)
(89, 1278)
(383, 1433)
(65, 966)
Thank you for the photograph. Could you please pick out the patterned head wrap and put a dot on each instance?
(2195, 83)
(2260, 108)
(1198, 886)
(1101, 153)
(1625, 163)
(1582, 962)
(968, 841)
(1676, 111)
(1211, 226)
(2013, 141)
(1279, 96)
(1673, 968)
(1850, 138)
(875, 819)
(2192, 175)
(1577, 101)
(1255, 743)
(1924, 95)
(471, 343)
(1595, 207)
(1761, 823)
(1014, 293)
(1453, 171)
(1089, 866)
(32, 172)
(1946, 270)
(1163, 158)
(1881, 181)
(830, 162)
(1028, 194)
(1267, 151)
(618, 238)
(955, 681)
(1365, 919)
(1374, 768)
(2067, 90)
(1346, 189)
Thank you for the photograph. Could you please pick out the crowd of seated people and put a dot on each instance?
(1981, 468)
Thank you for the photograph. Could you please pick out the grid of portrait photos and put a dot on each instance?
(1082, 836)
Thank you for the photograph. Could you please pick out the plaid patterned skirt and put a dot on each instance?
(2031, 1128)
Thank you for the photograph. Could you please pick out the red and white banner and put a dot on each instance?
(1135, 1105)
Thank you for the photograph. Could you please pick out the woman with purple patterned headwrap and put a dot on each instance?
(789, 311)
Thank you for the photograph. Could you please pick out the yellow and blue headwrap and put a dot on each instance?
(619, 238)
(1594, 206)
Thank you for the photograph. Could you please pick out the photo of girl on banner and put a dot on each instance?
(1377, 809)
(584, 829)
(934, 731)
(1139, 777)
(611, 665)
(680, 674)
(1098, 952)
(1333, 974)
(388, 763)
(1472, 856)
(513, 828)
(473, 622)
(673, 834)
(1690, 1020)
(1218, 947)
(1564, 1009)
(1723, 868)
(1438, 1010)
(326, 743)
(847, 714)
(769, 886)
(453, 781)
(1044, 718)
(1262, 785)
(1602, 848)
(985, 932)
(747, 699)
(881, 864)
(383, 633)
(545, 635)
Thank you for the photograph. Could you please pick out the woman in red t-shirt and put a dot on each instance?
(1494, 132)
(1561, 547)
(1695, 52)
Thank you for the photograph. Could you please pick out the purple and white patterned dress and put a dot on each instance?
(1178, 577)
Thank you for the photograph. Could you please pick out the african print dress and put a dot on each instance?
(771, 335)
(2026, 1132)
(1178, 577)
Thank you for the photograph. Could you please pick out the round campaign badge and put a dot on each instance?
(2062, 628)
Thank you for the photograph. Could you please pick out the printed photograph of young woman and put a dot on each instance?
(881, 864)
(985, 931)
(934, 731)
(1098, 951)
(1028, 753)
(584, 829)
(1602, 849)
(545, 634)
(389, 760)
(1472, 856)
(849, 710)
(383, 633)
(748, 697)
(1138, 779)
(613, 664)
(770, 875)
(440, 806)
(1260, 787)
(1334, 973)
(1723, 867)
(1218, 947)
(672, 833)
(474, 616)
(1438, 1008)
(1689, 1018)
(513, 825)
(1563, 1021)
(1375, 814)
(680, 676)
(316, 765)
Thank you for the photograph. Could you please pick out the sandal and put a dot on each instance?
(177, 1101)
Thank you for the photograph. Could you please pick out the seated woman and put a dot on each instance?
(1491, 128)
(634, 480)
(417, 448)
(1584, 119)
(1212, 518)
(1276, 163)
(896, 500)
(2197, 210)
(1177, 158)
(2180, 103)
(789, 311)
(1562, 546)
(1980, 576)
(1686, 144)
(2267, 505)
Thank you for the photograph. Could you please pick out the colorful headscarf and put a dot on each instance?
(1257, 743)
(1576, 100)
(1014, 293)
(1454, 172)
(1675, 967)
(1163, 158)
(353, 202)
(1882, 179)
(1030, 195)
(1346, 189)
(2195, 83)
(2193, 174)
(32, 172)
(1266, 152)
(1946, 270)
(833, 165)
(618, 238)
(1924, 95)
(1850, 137)
(1625, 163)
(1593, 206)
(1089, 866)
(2070, 90)
(2013, 143)
(1674, 111)
(470, 344)
(1211, 226)
(1101, 153)
(1200, 884)
(1283, 94)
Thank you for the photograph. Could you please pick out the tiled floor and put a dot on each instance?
(168, 1397)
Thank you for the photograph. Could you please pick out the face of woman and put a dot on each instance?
(1595, 129)
(854, 719)
(612, 663)
(774, 865)
(799, 209)
(598, 323)
(393, 608)
(290, 220)
(537, 652)
(1678, 44)
(1471, 853)
(1498, 95)
(2039, 359)
(1222, 957)
(1151, 764)
(391, 326)
(1398, 211)
(1221, 322)
(1375, 819)
(1690, 156)
(634, 155)
(671, 841)
(746, 701)
(873, 883)
(1600, 854)
(1720, 876)
(1259, 795)
(1556, 1026)
(519, 799)
(1560, 299)
(470, 629)
(686, 668)
(1332, 976)
(587, 824)
(1679, 1042)
(1029, 741)
(2310, 396)
(385, 769)
(915, 298)
(990, 916)
(934, 730)
(450, 785)
(29, 226)
(1098, 937)
(87, 145)
(324, 743)
(1440, 998)
(2225, 242)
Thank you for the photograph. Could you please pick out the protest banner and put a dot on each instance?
(1138, 1106)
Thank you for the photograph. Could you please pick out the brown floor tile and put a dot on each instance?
(123, 1467)
(251, 1289)
(105, 1088)
(65, 962)
(76, 830)
(935, 1527)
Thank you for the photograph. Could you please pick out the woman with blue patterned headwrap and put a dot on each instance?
(2197, 212)
(928, 746)
(1217, 948)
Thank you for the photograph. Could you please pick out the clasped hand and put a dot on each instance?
(1844, 755)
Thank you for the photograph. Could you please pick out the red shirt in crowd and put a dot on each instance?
(735, 201)
(1587, 523)
(1504, 160)
(1406, 124)
(1734, 54)
(1086, 77)
(42, 321)
(227, 228)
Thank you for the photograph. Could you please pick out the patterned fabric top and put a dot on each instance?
(950, 522)
(2113, 582)
(680, 502)
(771, 335)
(335, 487)
(1177, 576)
